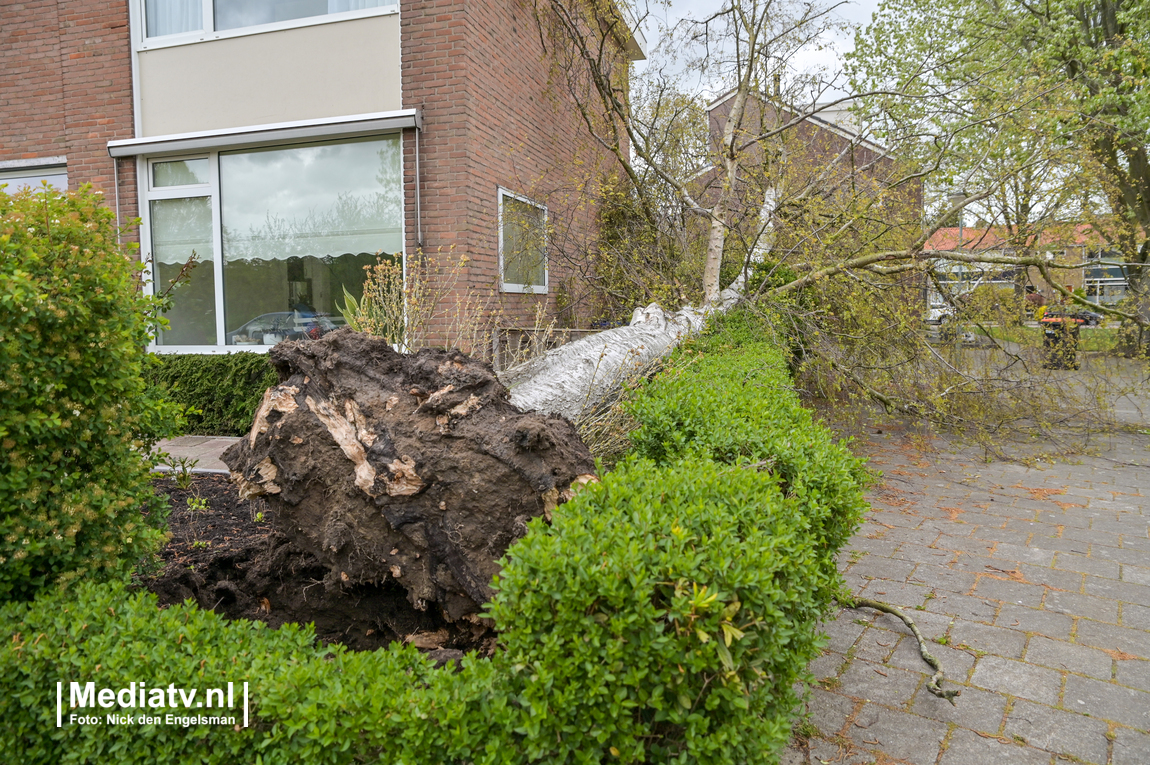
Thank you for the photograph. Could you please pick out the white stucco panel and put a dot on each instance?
(325, 70)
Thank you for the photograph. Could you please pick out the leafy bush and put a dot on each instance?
(76, 418)
(222, 390)
(664, 616)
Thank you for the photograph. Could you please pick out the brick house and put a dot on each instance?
(811, 147)
(286, 142)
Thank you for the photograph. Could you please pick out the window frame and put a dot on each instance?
(512, 287)
(208, 33)
(149, 193)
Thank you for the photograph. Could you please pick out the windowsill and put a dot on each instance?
(161, 350)
(191, 38)
(525, 289)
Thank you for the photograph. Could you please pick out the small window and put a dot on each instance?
(522, 244)
(183, 172)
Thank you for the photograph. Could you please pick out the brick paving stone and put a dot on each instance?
(1099, 609)
(975, 709)
(963, 606)
(966, 748)
(881, 684)
(1118, 590)
(892, 518)
(827, 665)
(1092, 566)
(1131, 747)
(1134, 673)
(1057, 731)
(1118, 554)
(874, 546)
(1135, 616)
(965, 544)
(829, 751)
(1092, 536)
(942, 577)
(876, 645)
(1022, 554)
(1033, 620)
(1131, 542)
(1108, 636)
(1058, 654)
(894, 570)
(917, 536)
(1017, 679)
(996, 534)
(1061, 518)
(1108, 701)
(1060, 545)
(842, 632)
(997, 640)
(897, 593)
(1010, 592)
(899, 735)
(919, 553)
(1071, 581)
(829, 711)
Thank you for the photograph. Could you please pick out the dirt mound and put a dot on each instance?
(226, 556)
(400, 473)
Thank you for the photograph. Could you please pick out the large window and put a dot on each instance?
(522, 244)
(19, 178)
(278, 233)
(171, 17)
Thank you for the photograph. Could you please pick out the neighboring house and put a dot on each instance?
(822, 156)
(1097, 271)
(286, 142)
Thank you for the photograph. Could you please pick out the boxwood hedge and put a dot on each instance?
(664, 616)
(221, 391)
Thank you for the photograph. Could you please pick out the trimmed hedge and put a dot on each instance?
(76, 418)
(664, 616)
(222, 391)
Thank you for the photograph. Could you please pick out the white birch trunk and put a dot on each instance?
(573, 378)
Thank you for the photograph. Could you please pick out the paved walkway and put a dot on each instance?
(1032, 583)
(1034, 586)
(205, 450)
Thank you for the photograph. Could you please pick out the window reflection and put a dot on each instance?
(299, 225)
(179, 228)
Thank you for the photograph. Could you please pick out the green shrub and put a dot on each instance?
(223, 390)
(76, 418)
(664, 616)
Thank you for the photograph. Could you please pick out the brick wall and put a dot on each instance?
(478, 73)
(66, 89)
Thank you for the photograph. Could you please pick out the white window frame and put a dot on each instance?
(207, 33)
(211, 189)
(149, 192)
(525, 289)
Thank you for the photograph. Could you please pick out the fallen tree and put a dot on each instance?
(575, 377)
(407, 468)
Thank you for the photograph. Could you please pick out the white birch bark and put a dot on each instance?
(573, 378)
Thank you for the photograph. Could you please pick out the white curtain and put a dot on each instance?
(170, 17)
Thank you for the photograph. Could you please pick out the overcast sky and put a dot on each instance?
(857, 12)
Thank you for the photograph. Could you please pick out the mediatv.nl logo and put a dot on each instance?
(138, 704)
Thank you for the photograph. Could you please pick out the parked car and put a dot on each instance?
(271, 328)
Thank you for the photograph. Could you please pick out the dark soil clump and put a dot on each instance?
(228, 557)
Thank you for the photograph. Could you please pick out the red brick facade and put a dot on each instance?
(66, 89)
(479, 75)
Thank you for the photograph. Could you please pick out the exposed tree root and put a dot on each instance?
(934, 684)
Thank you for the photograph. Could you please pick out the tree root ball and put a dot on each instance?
(406, 468)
